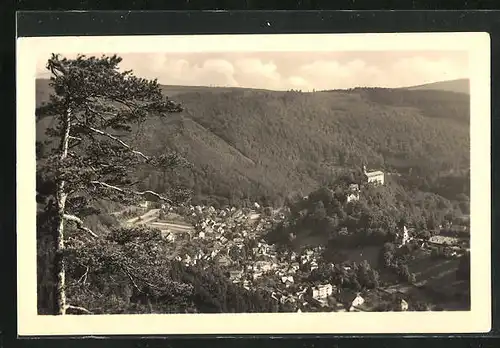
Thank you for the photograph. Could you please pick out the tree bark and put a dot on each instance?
(61, 196)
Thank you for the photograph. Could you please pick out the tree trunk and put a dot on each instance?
(61, 195)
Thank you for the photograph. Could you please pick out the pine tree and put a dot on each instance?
(94, 106)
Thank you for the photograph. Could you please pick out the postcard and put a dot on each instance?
(253, 184)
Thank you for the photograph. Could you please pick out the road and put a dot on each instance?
(149, 216)
(174, 228)
(151, 219)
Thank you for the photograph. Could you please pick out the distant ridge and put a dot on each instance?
(264, 145)
(457, 86)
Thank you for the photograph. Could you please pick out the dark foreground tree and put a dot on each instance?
(94, 106)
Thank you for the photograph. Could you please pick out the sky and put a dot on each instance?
(306, 71)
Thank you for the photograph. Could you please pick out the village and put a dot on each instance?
(233, 239)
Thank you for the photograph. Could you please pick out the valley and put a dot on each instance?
(282, 213)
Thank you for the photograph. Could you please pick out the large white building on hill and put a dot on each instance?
(375, 176)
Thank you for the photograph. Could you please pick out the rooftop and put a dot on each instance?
(375, 173)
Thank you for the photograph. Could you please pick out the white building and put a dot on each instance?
(287, 280)
(322, 291)
(144, 204)
(170, 237)
(263, 266)
(350, 300)
(257, 275)
(404, 305)
(353, 193)
(374, 177)
(235, 276)
(358, 301)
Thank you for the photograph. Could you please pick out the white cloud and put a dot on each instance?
(403, 72)
(406, 70)
(298, 82)
(257, 74)
(318, 74)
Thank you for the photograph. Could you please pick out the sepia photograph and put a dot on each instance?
(254, 184)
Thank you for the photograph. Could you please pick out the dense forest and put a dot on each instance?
(256, 145)
(377, 217)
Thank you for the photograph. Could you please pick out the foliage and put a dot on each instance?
(355, 276)
(396, 260)
(377, 217)
(84, 159)
(252, 145)
(125, 272)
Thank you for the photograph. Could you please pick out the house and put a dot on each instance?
(201, 235)
(224, 261)
(256, 275)
(376, 177)
(187, 259)
(295, 266)
(403, 305)
(287, 298)
(352, 197)
(300, 294)
(253, 216)
(353, 193)
(144, 204)
(351, 300)
(170, 237)
(287, 280)
(321, 292)
(343, 231)
(235, 275)
(263, 266)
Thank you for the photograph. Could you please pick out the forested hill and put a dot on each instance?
(265, 145)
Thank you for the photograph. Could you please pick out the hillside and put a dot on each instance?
(265, 145)
(457, 86)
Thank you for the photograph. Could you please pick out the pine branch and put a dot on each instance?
(121, 142)
(84, 276)
(131, 278)
(79, 224)
(81, 309)
(138, 193)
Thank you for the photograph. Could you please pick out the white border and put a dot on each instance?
(476, 320)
